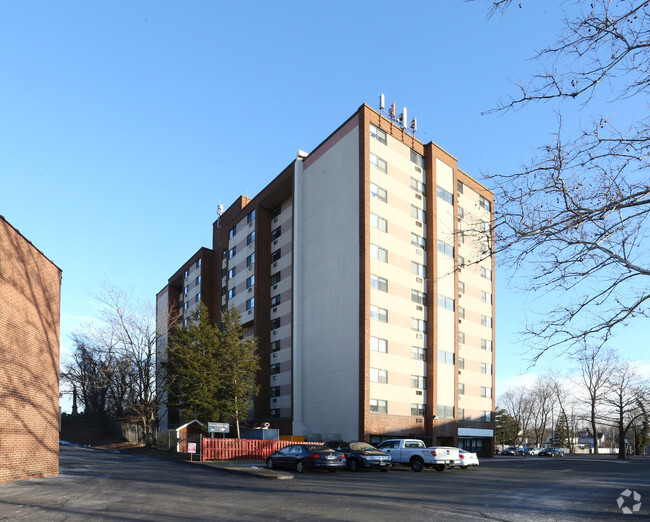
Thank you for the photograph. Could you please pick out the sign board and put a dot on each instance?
(218, 427)
(191, 447)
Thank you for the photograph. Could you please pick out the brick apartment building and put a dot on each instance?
(30, 294)
(364, 270)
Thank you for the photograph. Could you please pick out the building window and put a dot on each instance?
(419, 325)
(486, 392)
(275, 369)
(224, 290)
(445, 357)
(232, 232)
(417, 410)
(378, 223)
(418, 186)
(378, 192)
(275, 323)
(418, 269)
(461, 312)
(486, 368)
(378, 163)
(445, 412)
(197, 297)
(275, 300)
(251, 216)
(418, 241)
(232, 252)
(461, 388)
(250, 303)
(378, 134)
(275, 391)
(418, 297)
(275, 278)
(461, 413)
(224, 254)
(486, 273)
(275, 346)
(484, 203)
(486, 416)
(379, 283)
(461, 262)
(379, 253)
(446, 303)
(231, 293)
(186, 305)
(250, 238)
(377, 375)
(232, 272)
(486, 344)
(186, 289)
(276, 211)
(378, 345)
(419, 382)
(380, 314)
(461, 337)
(445, 195)
(276, 233)
(417, 159)
(461, 237)
(461, 287)
(186, 274)
(486, 297)
(418, 214)
(461, 213)
(486, 321)
(419, 354)
(378, 406)
(275, 412)
(250, 281)
(461, 363)
(275, 256)
(459, 187)
(250, 259)
(446, 249)
(197, 282)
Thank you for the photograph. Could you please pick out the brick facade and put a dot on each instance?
(30, 292)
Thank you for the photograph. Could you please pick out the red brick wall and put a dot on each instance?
(30, 291)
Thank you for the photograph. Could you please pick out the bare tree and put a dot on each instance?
(517, 403)
(577, 215)
(596, 367)
(566, 427)
(627, 398)
(542, 407)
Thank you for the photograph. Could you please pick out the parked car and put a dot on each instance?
(533, 451)
(414, 453)
(303, 457)
(361, 455)
(512, 450)
(467, 459)
(551, 452)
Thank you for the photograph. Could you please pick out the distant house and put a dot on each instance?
(30, 295)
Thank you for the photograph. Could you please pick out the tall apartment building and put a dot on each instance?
(30, 297)
(364, 270)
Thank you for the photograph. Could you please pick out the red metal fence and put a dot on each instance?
(227, 449)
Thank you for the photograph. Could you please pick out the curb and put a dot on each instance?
(251, 471)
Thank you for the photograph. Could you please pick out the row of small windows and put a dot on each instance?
(418, 410)
(197, 264)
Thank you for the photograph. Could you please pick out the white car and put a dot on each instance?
(467, 459)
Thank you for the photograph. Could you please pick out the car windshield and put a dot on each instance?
(361, 446)
(316, 449)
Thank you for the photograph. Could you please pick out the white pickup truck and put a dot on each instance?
(414, 453)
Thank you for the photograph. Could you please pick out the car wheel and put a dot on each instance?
(300, 466)
(417, 464)
(269, 463)
(464, 467)
(440, 467)
(353, 465)
(384, 469)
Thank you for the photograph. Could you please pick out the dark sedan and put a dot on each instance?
(303, 457)
(551, 452)
(360, 455)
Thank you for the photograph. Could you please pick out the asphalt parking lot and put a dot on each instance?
(100, 485)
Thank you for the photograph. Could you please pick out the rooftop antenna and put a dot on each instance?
(219, 213)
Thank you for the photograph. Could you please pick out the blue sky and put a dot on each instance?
(123, 125)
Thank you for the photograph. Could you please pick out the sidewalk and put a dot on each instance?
(254, 468)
